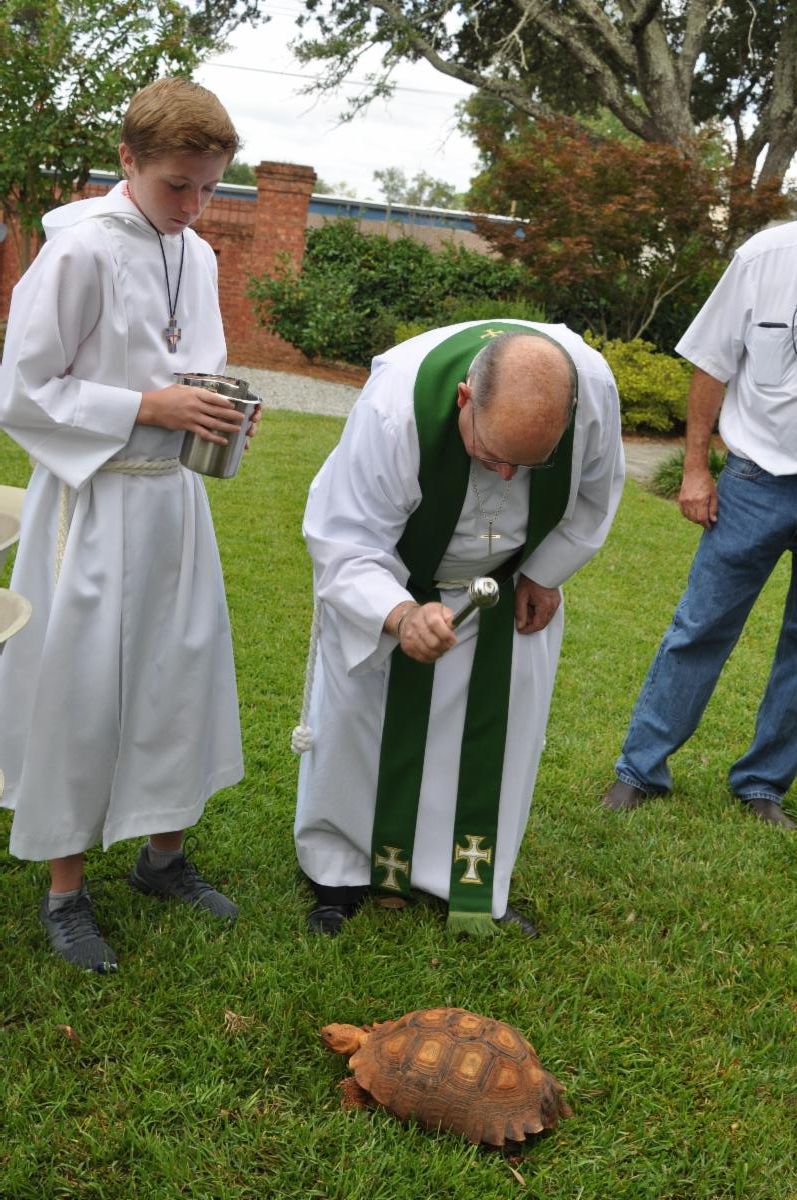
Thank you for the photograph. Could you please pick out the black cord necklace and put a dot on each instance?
(171, 333)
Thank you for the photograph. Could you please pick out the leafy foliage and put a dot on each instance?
(668, 476)
(353, 289)
(240, 172)
(456, 311)
(422, 189)
(67, 70)
(653, 387)
(614, 232)
(341, 188)
(665, 69)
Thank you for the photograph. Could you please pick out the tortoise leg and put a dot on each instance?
(354, 1096)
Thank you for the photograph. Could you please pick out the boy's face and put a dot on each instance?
(173, 190)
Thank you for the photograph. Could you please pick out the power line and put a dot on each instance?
(316, 78)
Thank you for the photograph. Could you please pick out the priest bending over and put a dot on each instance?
(488, 448)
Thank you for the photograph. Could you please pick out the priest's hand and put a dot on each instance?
(194, 409)
(423, 630)
(535, 605)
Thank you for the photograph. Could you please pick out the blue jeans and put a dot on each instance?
(757, 522)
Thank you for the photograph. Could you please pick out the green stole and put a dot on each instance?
(443, 479)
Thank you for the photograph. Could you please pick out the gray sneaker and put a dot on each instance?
(180, 881)
(74, 934)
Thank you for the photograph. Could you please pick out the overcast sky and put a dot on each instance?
(415, 131)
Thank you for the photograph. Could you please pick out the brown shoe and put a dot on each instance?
(769, 811)
(623, 797)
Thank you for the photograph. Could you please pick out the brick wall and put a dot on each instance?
(247, 232)
(249, 228)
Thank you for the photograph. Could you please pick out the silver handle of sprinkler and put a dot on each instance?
(482, 593)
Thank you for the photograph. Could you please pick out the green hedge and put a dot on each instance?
(354, 290)
(653, 386)
(474, 310)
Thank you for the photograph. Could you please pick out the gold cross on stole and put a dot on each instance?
(473, 855)
(393, 863)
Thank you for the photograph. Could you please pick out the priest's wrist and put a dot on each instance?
(403, 613)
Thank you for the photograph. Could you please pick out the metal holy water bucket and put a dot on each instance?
(211, 458)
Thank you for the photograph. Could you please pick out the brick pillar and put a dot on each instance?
(280, 219)
(283, 198)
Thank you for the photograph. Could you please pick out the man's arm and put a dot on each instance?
(423, 630)
(698, 495)
(535, 605)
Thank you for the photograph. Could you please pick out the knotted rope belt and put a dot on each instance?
(115, 466)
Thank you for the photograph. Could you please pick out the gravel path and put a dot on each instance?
(300, 393)
(303, 393)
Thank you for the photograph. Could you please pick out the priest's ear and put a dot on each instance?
(464, 394)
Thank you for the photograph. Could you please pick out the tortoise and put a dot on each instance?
(451, 1069)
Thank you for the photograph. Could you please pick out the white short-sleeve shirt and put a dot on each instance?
(746, 336)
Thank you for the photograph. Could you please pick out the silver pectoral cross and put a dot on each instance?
(490, 537)
(172, 335)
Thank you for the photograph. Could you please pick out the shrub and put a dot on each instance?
(653, 386)
(473, 310)
(669, 474)
(355, 290)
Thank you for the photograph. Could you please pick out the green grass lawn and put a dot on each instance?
(663, 991)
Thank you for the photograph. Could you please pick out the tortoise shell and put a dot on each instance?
(452, 1069)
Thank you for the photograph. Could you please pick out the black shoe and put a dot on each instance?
(180, 881)
(513, 917)
(73, 933)
(769, 811)
(623, 797)
(329, 918)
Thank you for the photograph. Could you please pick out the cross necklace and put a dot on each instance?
(490, 517)
(171, 333)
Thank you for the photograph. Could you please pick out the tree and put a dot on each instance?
(322, 188)
(240, 172)
(67, 69)
(663, 68)
(422, 190)
(612, 230)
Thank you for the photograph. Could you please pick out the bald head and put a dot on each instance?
(522, 387)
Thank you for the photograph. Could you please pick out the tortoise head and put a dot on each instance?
(343, 1039)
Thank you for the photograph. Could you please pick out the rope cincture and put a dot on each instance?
(302, 735)
(114, 466)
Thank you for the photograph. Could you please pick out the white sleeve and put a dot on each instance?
(598, 474)
(357, 510)
(715, 340)
(70, 425)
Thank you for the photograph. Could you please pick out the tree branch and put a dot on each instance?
(777, 125)
(614, 38)
(515, 94)
(697, 17)
(642, 16)
(595, 66)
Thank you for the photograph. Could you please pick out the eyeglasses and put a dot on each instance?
(501, 462)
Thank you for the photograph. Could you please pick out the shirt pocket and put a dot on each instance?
(769, 350)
